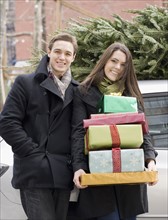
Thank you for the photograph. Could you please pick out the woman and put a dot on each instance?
(113, 73)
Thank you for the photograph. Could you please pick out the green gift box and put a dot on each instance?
(108, 136)
(117, 104)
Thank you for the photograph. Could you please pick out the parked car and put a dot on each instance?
(155, 93)
(10, 206)
(19, 68)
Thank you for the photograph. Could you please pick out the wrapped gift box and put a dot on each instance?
(104, 115)
(96, 179)
(129, 160)
(102, 137)
(116, 104)
(117, 118)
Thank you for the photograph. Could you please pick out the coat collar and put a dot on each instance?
(42, 70)
(92, 96)
(41, 74)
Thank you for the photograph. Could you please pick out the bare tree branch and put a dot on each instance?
(19, 34)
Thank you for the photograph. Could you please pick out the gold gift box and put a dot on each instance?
(96, 179)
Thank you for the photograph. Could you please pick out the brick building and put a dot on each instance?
(24, 16)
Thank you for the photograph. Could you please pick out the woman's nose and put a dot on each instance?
(118, 65)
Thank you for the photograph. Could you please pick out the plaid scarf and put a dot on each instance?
(62, 83)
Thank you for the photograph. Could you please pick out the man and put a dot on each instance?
(36, 122)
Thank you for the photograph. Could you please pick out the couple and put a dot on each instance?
(42, 121)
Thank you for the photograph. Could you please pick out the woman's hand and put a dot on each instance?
(152, 167)
(76, 179)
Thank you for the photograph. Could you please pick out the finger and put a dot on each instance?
(153, 183)
(79, 186)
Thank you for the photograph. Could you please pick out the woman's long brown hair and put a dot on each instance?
(129, 77)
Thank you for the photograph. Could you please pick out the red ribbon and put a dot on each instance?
(87, 140)
(116, 157)
(115, 136)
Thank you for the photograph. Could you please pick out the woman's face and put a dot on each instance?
(115, 66)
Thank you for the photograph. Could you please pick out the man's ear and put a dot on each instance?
(48, 52)
(74, 57)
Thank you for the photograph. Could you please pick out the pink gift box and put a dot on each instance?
(117, 118)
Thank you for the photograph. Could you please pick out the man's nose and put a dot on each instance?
(61, 56)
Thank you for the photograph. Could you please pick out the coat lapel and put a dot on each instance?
(70, 92)
(68, 95)
(49, 84)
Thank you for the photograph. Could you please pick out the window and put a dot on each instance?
(156, 110)
(3, 169)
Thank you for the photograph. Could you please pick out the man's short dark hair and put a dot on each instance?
(64, 37)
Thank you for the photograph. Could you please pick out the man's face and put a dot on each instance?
(61, 56)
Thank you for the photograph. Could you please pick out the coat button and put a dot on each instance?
(69, 162)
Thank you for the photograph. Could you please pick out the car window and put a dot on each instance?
(3, 169)
(156, 109)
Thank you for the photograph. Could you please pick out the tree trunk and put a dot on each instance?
(3, 6)
(10, 29)
(39, 25)
(44, 37)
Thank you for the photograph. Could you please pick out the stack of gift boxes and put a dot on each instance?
(113, 139)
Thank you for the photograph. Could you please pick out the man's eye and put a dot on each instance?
(57, 51)
(68, 54)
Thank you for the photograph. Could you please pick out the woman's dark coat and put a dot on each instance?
(36, 122)
(101, 200)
